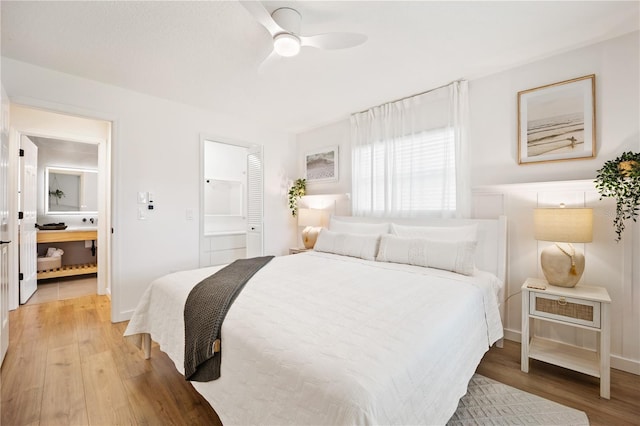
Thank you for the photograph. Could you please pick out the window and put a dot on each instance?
(412, 175)
(409, 157)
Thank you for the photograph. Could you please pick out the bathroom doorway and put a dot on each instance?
(67, 199)
(231, 208)
(78, 154)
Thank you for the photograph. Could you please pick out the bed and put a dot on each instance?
(325, 338)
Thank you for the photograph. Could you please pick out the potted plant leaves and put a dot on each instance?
(296, 191)
(620, 179)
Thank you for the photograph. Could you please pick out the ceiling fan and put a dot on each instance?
(284, 26)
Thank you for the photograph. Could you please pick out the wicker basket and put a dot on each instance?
(564, 308)
(49, 263)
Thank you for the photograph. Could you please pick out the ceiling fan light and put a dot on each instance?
(286, 45)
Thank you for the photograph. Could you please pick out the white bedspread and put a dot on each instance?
(317, 339)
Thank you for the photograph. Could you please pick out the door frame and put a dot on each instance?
(105, 190)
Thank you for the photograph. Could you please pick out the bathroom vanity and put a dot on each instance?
(63, 236)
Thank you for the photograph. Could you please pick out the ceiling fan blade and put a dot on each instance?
(268, 62)
(262, 15)
(333, 40)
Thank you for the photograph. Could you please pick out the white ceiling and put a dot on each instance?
(206, 53)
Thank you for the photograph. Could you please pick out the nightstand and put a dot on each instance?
(298, 250)
(581, 307)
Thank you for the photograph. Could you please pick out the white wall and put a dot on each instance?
(325, 137)
(156, 147)
(494, 165)
(494, 123)
(493, 117)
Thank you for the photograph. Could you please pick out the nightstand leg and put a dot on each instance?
(524, 352)
(605, 358)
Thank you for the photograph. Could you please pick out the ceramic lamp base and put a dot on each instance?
(557, 266)
(309, 236)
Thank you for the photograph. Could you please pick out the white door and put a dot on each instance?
(27, 225)
(4, 229)
(254, 202)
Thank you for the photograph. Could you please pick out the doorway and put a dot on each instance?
(65, 196)
(90, 134)
(231, 202)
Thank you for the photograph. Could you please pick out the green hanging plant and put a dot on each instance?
(620, 178)
(296, 191)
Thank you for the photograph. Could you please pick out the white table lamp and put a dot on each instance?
(312, 220)
(561, 263)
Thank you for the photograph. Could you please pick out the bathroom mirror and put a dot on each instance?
(70, 191)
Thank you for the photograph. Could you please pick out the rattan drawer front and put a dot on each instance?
(577, 311)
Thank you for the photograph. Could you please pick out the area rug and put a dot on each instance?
(488, 402)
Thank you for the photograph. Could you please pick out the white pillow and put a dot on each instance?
(354, 245)
(443, 233)
(337, 225)
(455, 256)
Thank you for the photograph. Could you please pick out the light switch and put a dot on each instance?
(142, 198)
(141, 215)
(189, 214)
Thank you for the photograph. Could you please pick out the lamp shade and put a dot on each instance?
(310, 217)
(566, 225)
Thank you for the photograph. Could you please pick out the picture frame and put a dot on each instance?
(321, 165)
(557, 122)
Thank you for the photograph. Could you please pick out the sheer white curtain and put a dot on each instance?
(409, 158)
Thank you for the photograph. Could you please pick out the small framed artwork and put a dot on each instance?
(558, 121)
(321, 165)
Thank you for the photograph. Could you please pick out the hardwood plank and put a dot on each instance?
(24, 366)
(63, 399)
(89, 327)
(23, 408)
(195, 409)
(106, 399)
(128, 358)
(103, 308)
(62, 320)
(153, 408)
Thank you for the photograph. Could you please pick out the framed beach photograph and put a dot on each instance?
(321, 165)
(557, 121)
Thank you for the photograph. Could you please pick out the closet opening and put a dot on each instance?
(231, 202)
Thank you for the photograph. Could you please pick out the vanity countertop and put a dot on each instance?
(79, 233)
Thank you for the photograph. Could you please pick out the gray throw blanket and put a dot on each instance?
(205, 310)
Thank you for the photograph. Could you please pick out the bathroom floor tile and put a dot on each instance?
(61, 289)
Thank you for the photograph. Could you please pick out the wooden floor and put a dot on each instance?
(67, 364)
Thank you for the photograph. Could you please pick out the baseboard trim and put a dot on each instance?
(619, 363)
